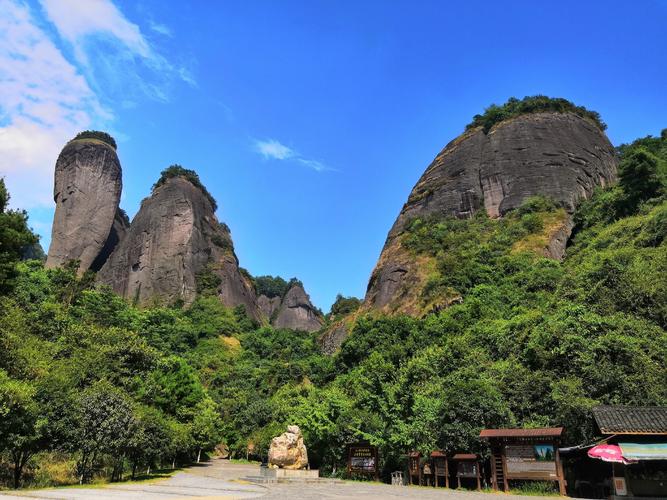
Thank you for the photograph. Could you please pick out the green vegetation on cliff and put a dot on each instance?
(96, 134)
(273, 286)
(531, 104)
(189, 175)
(524, 341)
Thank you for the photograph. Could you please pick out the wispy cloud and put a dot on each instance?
(160, 29)
(45, 100)
(275, 150)
(55, 83)
(76, 21)
(122, 57)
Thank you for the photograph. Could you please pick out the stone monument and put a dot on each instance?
(287, 451)
(288, 458)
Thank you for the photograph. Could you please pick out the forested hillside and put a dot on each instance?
(92, 386)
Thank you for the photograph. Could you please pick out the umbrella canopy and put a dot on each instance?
(643, 451)
(609, 453)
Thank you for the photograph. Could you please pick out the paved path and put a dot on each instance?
(219, 479)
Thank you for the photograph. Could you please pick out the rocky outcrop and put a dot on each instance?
(288, 450)
(268, 306)
(88, 183)
(174, 240)
(558, 155)
(296, 312)
(119, 228)
(333, 337)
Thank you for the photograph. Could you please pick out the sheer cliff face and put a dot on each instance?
(296, 312)
(87, 192)
(268, 305)
(561, 156)
(293, 311)
(174, 237)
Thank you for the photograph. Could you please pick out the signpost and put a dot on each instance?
(531, 461)
(468, 467)
(525, 454)
(363, 459)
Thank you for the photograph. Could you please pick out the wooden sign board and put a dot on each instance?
(467, 469)
(362, 459)
(531, 461)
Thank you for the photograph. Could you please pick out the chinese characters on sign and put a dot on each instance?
(531, 461)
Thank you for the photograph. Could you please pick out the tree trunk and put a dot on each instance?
(134, 470)
(199, 455)
(173, 463)
(20, 460)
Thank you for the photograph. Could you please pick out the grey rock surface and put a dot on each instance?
(297, 312)
(333, 337)
(559, 155)
(88, 183)
(268, 306)
(174, 237)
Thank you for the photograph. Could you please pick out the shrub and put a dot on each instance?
(96, 134)
(531, 104)
(191, 176)
(271, 286)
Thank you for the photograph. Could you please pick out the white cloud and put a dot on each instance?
(76, 20)
(91, 26)
(44, 100)
(160, 28)
(48, 92)
(275, 150)
(318, 166)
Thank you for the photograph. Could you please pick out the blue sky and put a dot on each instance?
(309, 121)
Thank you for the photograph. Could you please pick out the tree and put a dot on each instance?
(150, 438)
(174, 387)
(206, 426)
(638, 176)
(20, 424)
(15, 236)
(345, 305)
(104, 425)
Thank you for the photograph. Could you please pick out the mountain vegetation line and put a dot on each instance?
(93, 387)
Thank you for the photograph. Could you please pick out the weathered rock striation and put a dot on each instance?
(296, 312)
(559, 155)
(268, 305)
(88, 183)
(562, 156)
(174, 238)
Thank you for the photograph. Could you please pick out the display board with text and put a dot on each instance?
(531, 461)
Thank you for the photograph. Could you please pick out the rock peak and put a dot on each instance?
(87, 187)
(296, 311)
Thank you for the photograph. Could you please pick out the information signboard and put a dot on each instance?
(362, 459)
(467, 469)
(531, 461)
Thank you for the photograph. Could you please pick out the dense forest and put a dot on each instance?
(92, 387)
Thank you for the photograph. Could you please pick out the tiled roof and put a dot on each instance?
(465, 456)
(631, 420)
(521, 433)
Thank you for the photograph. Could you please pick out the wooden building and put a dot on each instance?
(640, 433)
(468, 466)
(525, 454)
(441, 468)
(415, 468)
